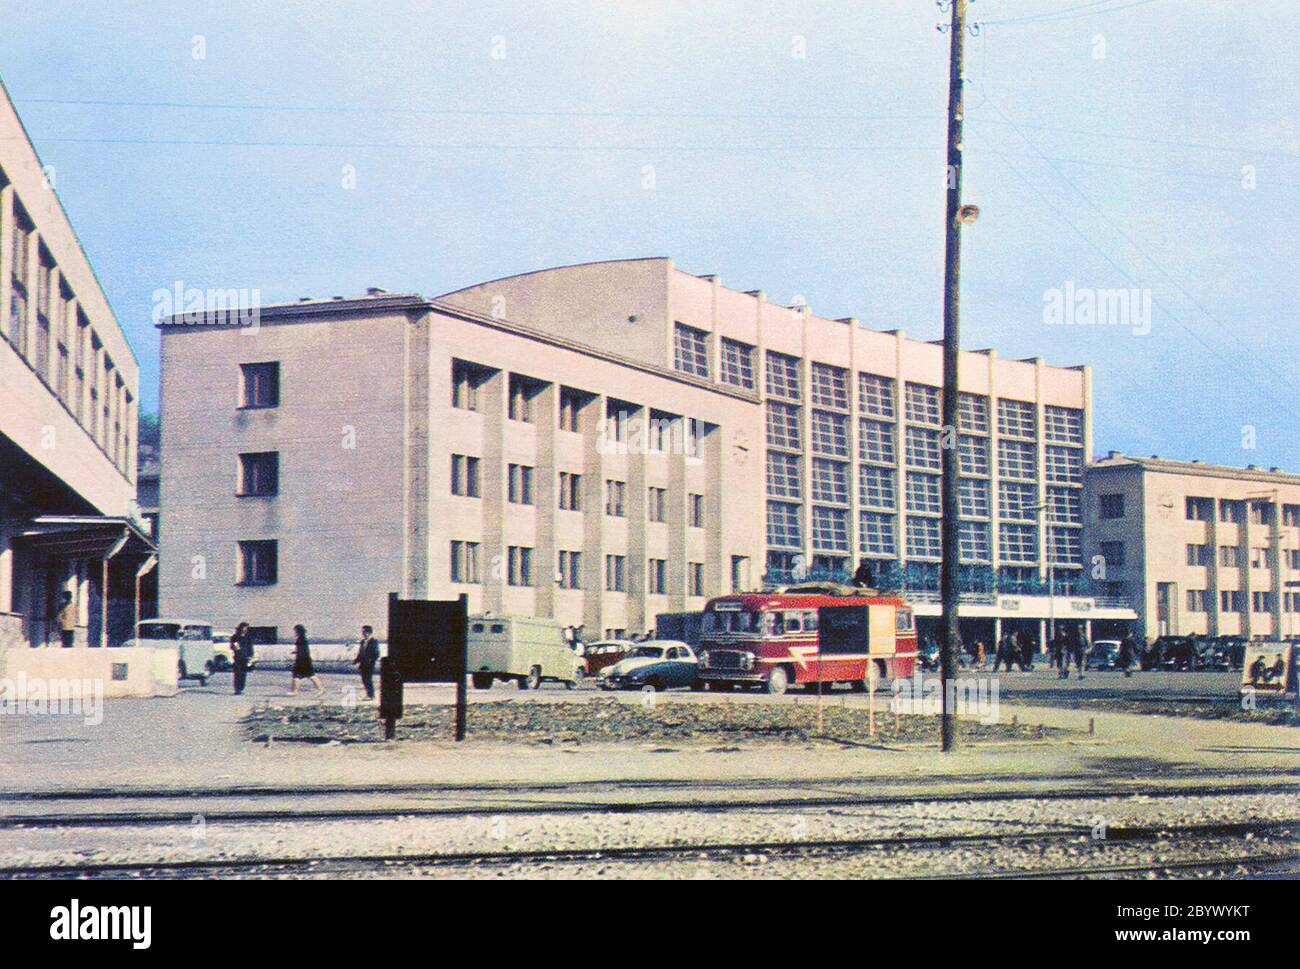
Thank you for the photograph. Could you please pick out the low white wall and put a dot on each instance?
(127, 671)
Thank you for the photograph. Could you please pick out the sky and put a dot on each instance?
(320, 148)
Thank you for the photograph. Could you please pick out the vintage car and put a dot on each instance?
(604, 653)
(191, 637)
(655, 665)
(1104, 655)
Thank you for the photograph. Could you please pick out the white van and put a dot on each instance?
(525, 650)
(192, 638)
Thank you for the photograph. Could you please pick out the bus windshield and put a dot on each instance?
(736, 621)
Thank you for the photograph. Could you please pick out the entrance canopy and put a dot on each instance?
(85, 537)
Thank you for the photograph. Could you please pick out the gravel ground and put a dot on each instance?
(408, 835)
(609, 720)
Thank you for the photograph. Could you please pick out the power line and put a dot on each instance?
(1068, 13)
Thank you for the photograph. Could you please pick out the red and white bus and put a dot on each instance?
(806, 635)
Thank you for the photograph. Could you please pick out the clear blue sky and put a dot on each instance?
(817, 177)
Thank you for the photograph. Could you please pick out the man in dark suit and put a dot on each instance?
(367, 658)
(241, 655)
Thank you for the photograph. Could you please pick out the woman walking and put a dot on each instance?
(302, 665)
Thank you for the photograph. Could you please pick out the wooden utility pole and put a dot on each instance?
(951, 343)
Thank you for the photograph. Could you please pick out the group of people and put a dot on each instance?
(241, 658)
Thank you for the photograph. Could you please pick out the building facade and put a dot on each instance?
(68, 390)
(596, 443)
(1198, 549)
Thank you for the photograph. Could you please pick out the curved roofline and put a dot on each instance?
(551, 269)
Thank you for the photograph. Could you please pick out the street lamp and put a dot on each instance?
(1041, 510)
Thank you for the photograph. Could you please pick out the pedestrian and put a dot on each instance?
(241, 655)
(1080, 650)
(302, 665)
(1125, 657)
(1061, 647)
(1001, 654)
(979, 654)
(367, 657)
(67, 620)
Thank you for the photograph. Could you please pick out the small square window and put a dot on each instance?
(258, 563)
(259, 474)
(260, 384)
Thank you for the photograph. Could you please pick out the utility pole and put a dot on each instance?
(955, 215)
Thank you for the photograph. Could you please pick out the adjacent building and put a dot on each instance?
(68, 393)
(1198, 549)
(599, 444)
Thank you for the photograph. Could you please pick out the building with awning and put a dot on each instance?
(69, 386)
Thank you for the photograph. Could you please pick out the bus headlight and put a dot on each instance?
(747, 660)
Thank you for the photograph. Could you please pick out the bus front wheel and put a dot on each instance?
(777, 681)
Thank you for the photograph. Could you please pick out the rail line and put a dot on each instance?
(716, 851)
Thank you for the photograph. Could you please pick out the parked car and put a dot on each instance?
(192, 639)
(1103, 655)
(604, 653)
(525, 650)
(656, 665)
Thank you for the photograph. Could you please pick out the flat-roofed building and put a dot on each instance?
(69, 384)
(1198, 549)
(598, 443)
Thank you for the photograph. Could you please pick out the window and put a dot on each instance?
(1262, 601)
(783, 426)
(695, 504)
(922, 404)
(570, 570)
(1064, 465)
(570, 491)
(519, 560)
(1016, 501)
(1232, 601)
(259, 474)
(830, 386)
(523, 391)
(830, 481)
(923, 449)
(1291, 515)
(1018, 543)
(1230, 556)
(923, 538)
(258, 563)
(1200, 509)
(261, 385)
(1293, 558)
(876, 395)
(519, 489)
(1261, 513)
(1016, 459)
(1110, 506)
(830, 434)
(973, 498)
(691, 350)
(830, 528)
(1064, 506)
(876, 442)
(783, 376)
(465, 382)
(1112, 554)
(1198, 555)
(656, 508)
(1064, 546)
(695, 578)
(464, 476)
(1232, 512)
(973, 540)
(657, 577)
(973, 413)
(876, 488)
(737, 363)
(1198, 600)
(1063, 425)
(1016, 418)
(571, 404)
(923, 493)
(783, 475)
(877, 534)
(614, 498)
(464, 562)
(615, 573)
(1261, 558)
(973, 454)
(783, 527)
(739, 573)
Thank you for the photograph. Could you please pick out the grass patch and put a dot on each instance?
(616, 721)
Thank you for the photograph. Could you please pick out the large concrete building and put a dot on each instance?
(597, 443)
(68, 392)
(1198, 549)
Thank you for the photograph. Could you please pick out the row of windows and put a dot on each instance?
(62, 347)
(1238, 511)
(1231, 600)
(465, 570)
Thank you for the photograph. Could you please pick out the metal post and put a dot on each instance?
(951, 344)
(103, 605)
(462, 698)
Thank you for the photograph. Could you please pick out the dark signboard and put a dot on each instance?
(426, 639)
(844, 629)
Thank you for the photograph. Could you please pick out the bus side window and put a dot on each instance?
(904, 620)
(810, 621)
(777, 623)
(792, 622)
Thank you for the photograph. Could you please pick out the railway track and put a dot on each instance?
(717, 852)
